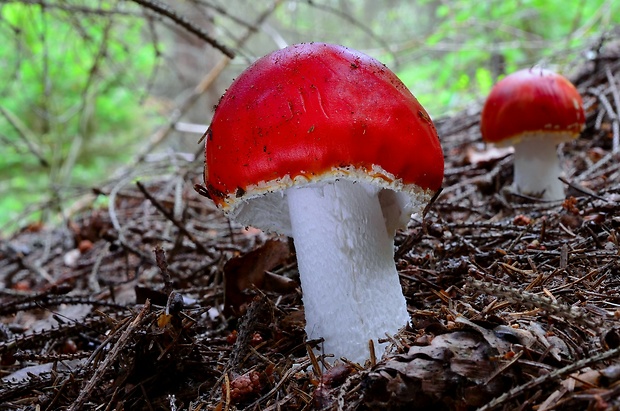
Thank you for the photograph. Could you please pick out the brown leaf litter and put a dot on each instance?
(159, 302)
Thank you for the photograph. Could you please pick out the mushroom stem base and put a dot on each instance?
(351, 289)
(537, 168)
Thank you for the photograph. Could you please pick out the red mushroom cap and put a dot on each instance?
(316, 109)
(532, 102)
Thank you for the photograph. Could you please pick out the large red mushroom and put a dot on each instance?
(326, 145)
(534, 110)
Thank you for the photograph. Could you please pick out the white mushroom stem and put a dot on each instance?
(537, 168)
(351, 290)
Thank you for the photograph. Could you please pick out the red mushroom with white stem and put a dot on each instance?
(326, 145)
(534, 110)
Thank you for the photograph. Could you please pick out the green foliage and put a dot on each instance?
(69, 98)
(447, 51)
(455, 62)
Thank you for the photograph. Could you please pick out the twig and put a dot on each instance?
(533, 300)
(8, 249)
(25, 134)
(431, 202)
(200, 88)
(160, 257)
(596, 166)
(603, 99)
(582, 190)
(280, 383)
(43, 338)
(150, 82)
(174, 221)
(44, 300)
(164, 10)
(515, 392)
(616, 95)
(106, 364)
(344, 15)
(481, 179)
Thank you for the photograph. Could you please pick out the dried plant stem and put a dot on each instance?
(26, 135)
(174, 221)
(106, 364)
(536, 301)
(515, 392)
(201, 87)
(165, 10)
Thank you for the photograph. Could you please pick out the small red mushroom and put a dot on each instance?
(326, 145)
(534, 110)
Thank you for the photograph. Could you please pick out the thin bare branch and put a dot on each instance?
(182, 21)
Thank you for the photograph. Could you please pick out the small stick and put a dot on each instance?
(165, 10)
(582, 190)
(373, 356)
(25, 135)
(544, 303)
(160, 258)
(174, 221)
(596, 166)
(315, 363)
(513, 393)
(106, 364)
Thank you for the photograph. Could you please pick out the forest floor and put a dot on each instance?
(159, 302)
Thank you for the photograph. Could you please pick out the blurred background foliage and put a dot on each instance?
(86, 84)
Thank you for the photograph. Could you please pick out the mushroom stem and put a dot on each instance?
(345, 255)
(537, 168)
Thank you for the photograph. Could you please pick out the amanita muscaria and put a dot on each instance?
(534, 110)
(326, 145)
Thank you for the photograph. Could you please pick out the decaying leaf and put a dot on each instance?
(248, 271)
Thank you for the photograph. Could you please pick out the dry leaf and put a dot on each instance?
(250, 271)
